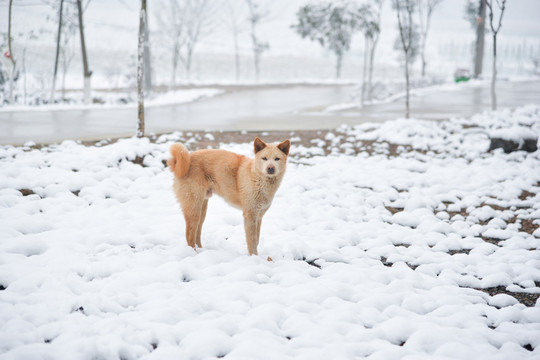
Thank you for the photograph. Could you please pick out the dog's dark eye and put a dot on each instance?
(277, 159)
(264, 158)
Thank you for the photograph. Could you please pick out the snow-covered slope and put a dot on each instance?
(378, 250)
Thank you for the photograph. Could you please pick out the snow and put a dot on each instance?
(111, 100)
(94, 264)
(516, 133)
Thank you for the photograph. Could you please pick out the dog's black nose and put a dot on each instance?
(270, 170)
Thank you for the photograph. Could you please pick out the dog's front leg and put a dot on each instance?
(259, 222)
(250, 225)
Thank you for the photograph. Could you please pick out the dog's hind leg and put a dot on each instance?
(201, 221)
(192, 215)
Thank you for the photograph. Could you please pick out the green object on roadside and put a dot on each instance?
(462, 79)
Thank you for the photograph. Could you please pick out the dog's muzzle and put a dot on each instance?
(271, 170)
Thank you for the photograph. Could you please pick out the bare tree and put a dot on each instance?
(256, 14)
(140, 69)
(25, 76)
(408, 39)
(425, 10)
(147, 57)
(374, 41)
(494, 32)
(184, 23)
(369, 25)
(20, 64)
(58, 36)
(172, 32)
(196, 12)
(68, 54)
(11, 57)
(69, 27)
(86, 70)
(235, 22)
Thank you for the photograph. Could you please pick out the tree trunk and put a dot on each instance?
(236, 55)
(424, 33)
(406, 47)
(407, 86)
(12, 58)
(364, 69)
(371, 59)
(25, 77)
(64, 84)
(423, 57)
(494, 31)
(257, 66)
(87, 90)
(147, 57)
(176, 49)
(339, 59)
(51, 101)
(11, 81)
(479, 48)
(255, 54)
(255, 45)
(189, 54)
(494, 74)
(140, 70)
(86, 70)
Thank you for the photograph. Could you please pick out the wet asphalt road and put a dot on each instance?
(258, 109)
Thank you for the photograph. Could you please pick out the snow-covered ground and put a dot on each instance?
(378, 251)
(115, 100)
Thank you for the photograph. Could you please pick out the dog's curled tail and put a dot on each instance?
(180, 161)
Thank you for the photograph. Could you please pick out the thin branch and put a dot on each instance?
(11, 56)
(502, 7)
(398, 9)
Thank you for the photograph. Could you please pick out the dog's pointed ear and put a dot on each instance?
(284, 147)
(258, 145)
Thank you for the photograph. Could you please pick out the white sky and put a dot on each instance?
(111, 21)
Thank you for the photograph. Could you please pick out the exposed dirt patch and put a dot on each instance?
(138, 161)
(526, 299)
(526, 194)
(528, 226)
(393, 210)
(493, 206)
(387, 263)
(330, 141)
(461, 251)
(491, 240)
(26, 192)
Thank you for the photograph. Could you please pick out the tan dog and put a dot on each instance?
(249, 184)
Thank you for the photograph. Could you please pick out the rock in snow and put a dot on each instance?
(514, 138)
